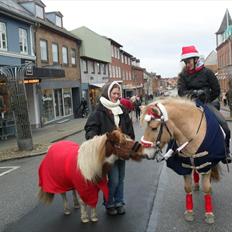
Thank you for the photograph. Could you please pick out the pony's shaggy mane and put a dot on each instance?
(91, 156)
(167, 101)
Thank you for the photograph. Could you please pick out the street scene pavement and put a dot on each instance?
(155, 198)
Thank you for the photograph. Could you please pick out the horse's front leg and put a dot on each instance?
(84, 213)
(67, 210)
(75, 200)
(93, 215)
(188, 214)
(206, 185)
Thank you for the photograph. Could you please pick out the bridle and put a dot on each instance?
(117, 147)
(163, 118)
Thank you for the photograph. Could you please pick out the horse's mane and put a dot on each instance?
(90, 157)
(168, 101)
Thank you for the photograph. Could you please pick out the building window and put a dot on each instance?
(44, 50)
(73, 56)
(65, 55)
(3, 37)
(122, 60)
(55, 53)
(58, 21)
(92, 67)
(39, 11)
(23, 41)
(104, 68)
(98, 68)
(67, 101)
(85, 66)
(113, 70)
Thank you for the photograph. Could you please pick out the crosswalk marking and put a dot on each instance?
(9, 169)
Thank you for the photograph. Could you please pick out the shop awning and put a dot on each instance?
(99, 85)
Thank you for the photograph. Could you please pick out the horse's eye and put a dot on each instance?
(154, 129)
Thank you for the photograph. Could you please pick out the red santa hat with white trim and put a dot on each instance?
(189, 52)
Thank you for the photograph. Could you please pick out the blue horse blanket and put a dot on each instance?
(213, 143)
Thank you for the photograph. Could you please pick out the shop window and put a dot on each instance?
(47, 105)
(67, 101)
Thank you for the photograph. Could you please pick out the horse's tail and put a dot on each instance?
(45, 197)
(215, 173)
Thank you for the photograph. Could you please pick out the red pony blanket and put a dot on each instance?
(59, 173)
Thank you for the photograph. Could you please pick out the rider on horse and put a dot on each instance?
(199, 82)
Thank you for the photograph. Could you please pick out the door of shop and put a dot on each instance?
(58, 103)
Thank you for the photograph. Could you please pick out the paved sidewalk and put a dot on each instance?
(42, 138)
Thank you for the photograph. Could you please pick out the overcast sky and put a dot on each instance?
(152, 31)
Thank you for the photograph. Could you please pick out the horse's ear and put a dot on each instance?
(156, 110)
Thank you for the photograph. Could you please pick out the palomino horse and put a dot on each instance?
(196, 142)
(83, 169)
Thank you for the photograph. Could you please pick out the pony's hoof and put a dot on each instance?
(209, 218)
(196, 187)
(189, 216)
(94, 219)
(67, 212)
(85, 220)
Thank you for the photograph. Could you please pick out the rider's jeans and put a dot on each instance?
(116, 184)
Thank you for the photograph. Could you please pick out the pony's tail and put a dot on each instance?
(46, 198)
(215, 173)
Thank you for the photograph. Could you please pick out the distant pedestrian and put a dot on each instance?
(224, 99)
(137, 105)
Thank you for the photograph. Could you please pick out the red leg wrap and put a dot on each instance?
(196, 177)
(189, 201)
(208, 203)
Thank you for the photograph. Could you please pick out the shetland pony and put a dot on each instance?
(83, 169)
(195, 144)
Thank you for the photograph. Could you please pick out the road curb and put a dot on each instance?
(34, 154)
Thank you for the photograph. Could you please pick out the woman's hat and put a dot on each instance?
(189, 52)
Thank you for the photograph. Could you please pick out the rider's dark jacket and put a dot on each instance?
(200, 80)
(102, 120)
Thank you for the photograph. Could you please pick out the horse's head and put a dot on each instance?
(157, 133)
(123, 146)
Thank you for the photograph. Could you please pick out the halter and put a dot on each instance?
(134, 148)
(163, 118)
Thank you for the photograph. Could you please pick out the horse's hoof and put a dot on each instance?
(209, 218)
(94, 219)
(189, 216)
(85, 220)
(67, 212)
(196, 187)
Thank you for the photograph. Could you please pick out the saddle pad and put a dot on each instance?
(213, 143)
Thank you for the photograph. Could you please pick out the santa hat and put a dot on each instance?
(189, 52)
